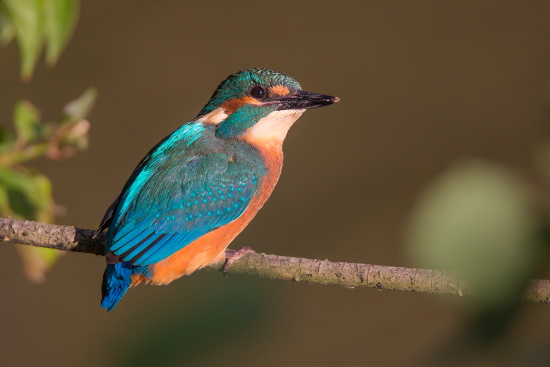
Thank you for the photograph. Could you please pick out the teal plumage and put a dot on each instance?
(191, 188)
(197, 180)
(187, 178)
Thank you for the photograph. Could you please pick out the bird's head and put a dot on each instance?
(258, 104)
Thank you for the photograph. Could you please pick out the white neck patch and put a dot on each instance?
(214, 117)
(273, 128)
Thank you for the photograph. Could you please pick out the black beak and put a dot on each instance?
(305, 100)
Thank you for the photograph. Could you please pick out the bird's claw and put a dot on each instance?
(232, 255)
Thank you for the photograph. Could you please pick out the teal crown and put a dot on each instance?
(239, 84)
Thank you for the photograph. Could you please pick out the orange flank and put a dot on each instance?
(210, 248)
(280, 90)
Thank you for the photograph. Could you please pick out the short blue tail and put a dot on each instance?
(116, 281)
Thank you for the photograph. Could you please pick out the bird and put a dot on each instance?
(200, 186)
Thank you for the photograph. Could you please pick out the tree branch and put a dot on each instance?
(273, 266)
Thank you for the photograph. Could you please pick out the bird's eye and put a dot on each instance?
(258, 92)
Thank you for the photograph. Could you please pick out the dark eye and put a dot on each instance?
(258, 92)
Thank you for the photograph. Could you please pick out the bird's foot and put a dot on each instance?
(232, 255)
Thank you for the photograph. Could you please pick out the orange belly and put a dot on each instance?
(210, 248)
(206, 250)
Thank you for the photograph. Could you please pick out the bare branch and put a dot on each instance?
(273, 266)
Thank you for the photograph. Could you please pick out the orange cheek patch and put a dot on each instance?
(233, 105)
(280, 90)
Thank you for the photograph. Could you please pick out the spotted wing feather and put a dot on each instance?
(175, 196)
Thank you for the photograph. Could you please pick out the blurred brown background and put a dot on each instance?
(422, 84)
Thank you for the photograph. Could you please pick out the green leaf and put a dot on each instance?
(41, 197)
(6, 139)
(30, 194)
(79, 108)
(60, 19)
(26, 121)
(477, 219)
(5, 209)
(20, 204)
(26, 17)
(14, 180)
(19, 189)
(7, 32)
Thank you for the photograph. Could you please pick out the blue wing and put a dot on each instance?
(184, 188)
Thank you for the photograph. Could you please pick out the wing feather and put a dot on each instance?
(177, 194)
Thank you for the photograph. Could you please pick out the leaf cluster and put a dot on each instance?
(36, 24)
(25, 193)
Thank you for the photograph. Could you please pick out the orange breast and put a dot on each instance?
(210, 248)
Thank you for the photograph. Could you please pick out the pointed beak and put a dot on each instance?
(305, 100)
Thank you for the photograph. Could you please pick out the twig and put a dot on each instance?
(273, 266)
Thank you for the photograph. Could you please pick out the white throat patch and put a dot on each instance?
(274, 127)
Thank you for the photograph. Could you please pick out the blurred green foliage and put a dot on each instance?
(35, 23)
(477, 219)
(24, 192)
(481, 220)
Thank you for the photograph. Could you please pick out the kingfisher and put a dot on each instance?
(199, 187)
